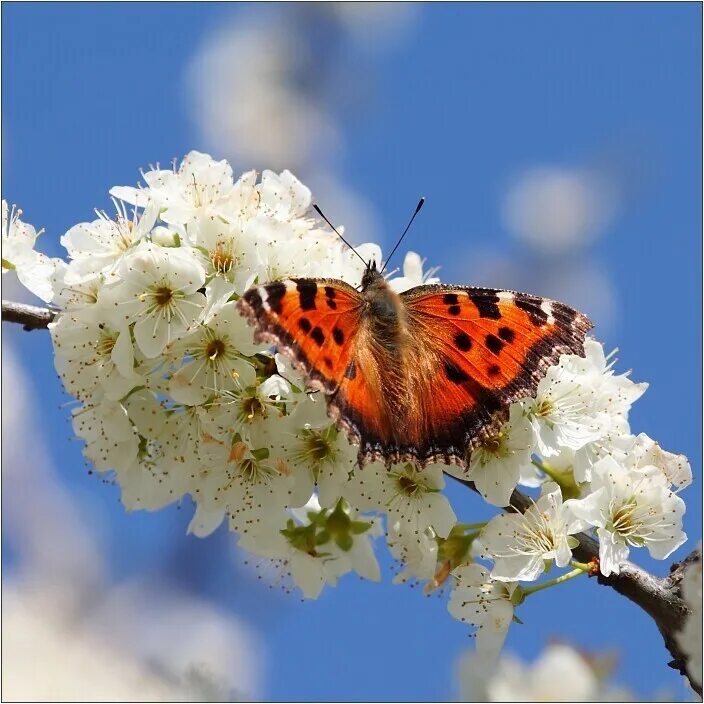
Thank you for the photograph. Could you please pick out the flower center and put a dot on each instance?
(495, 446)
(623, 519)
(543, 408)
(215, 349)
(251, 407)
(408, 485)
(221, 258)
(162, 296)
(105, 343)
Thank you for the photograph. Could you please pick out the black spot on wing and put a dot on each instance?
(487, 303)
(307, 291)
(338, 335)
(493, 370)
(463, 341)
(305, 325)
(494, 344)
(318, 336)
(454, 373)
(330, 297)
(275, 292)
(450, 299)
(327, 362)
(506, 334)
(454, 310)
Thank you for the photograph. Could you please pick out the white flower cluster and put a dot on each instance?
(176, 400)
(593, 475)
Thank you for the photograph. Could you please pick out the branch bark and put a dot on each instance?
(659, 597)
(30, 317)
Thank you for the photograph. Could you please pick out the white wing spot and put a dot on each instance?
(263, 295)
(546, 307)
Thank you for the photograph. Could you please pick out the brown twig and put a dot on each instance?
(659, 597)
(30, 317)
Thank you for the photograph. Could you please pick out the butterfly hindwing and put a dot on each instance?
(313, 321)
(489, 348)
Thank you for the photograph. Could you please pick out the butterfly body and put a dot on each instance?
(422, 376)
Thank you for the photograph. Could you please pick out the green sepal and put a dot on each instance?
(344, 541)
(261, 454)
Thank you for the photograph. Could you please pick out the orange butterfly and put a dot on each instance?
(422, 376)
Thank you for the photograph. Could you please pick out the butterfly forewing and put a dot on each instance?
(313, 321)
(490, 348)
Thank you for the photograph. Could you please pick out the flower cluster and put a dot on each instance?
(175, 400)
(572, 440)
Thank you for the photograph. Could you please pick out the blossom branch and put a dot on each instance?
(30, 317)
(659, 597)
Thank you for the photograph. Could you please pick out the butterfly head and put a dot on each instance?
(371, 275)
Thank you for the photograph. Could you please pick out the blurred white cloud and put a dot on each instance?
(67, 633)
(247, 96)
(555, 209)
(580, 281)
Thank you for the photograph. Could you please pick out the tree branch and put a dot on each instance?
(30, 317)
(659, 597)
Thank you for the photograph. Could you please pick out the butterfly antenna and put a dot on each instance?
(400, 239)
(334, 229)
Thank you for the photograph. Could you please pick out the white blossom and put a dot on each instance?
(195, 190)
(417, 554)
(34, 269)
(318, 546)
(215, 352)
(579, 400)
(482, 602)
(498, 463)
(93, 357)
(646, 452)
(413, 274)
(412, 498)
(320, 455)
(94, 247)
(630, 508)
(521, 543)
(158, 290)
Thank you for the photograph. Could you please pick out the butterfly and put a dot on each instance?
(423, 376)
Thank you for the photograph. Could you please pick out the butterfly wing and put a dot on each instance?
(486, 348)
(311, 321)
(317, 324)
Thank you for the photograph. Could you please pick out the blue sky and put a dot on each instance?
(474, 94)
